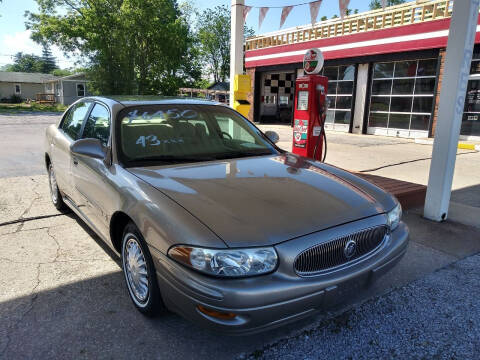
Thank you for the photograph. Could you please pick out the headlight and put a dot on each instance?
(394, 216)
(226, 262)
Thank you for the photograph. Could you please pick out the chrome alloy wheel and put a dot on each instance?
(53, 184)
(135, 268)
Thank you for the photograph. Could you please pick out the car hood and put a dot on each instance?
(259, 201)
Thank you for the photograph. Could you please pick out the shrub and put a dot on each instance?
(15, 99)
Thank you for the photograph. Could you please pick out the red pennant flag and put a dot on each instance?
(314, 6)
(261, 16)
(246, 10)
(285, 11)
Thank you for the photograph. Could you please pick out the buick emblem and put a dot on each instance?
(350, 249)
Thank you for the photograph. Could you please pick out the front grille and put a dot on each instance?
(332, 254)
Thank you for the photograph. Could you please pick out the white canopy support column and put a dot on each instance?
(463, 27)
(236, 42)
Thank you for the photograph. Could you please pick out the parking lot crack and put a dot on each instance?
(409, 162)
(27, 210)
(57, 253)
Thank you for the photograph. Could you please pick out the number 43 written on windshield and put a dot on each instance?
(152, 140)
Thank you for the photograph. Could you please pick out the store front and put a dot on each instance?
(402, 98)
(470, 129)
(385, 71)
(276, 96)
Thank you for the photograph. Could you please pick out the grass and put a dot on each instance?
(24, 107)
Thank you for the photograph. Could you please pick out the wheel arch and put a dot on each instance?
(117, 223)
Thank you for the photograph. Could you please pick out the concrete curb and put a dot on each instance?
(461, 145)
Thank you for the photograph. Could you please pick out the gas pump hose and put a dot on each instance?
(322, 132)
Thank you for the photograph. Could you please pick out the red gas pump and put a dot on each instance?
(310, 109)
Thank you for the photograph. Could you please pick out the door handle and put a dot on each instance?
(75, 161)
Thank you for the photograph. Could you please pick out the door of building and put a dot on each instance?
(402, 95)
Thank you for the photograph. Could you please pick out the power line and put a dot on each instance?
(278, 7)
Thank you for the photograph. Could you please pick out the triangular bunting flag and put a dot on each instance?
(314, 6)
(343, 4)
(285, 11)
(261, 16)
(246, 10)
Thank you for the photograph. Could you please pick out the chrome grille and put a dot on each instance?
(331, 254)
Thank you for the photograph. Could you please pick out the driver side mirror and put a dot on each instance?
(273, 136)
(89, 147)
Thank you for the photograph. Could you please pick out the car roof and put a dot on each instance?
(132, 100)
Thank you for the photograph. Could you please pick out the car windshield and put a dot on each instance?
(187, 133)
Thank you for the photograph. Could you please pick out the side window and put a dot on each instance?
(72, 124)
(98, 124)
(234, 129)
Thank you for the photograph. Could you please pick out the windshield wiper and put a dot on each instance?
(240, 154)
(175, 159)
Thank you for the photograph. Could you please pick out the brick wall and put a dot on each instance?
(439, 87)
(250, 96)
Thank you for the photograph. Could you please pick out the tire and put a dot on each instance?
(139, 272)
(55, 193)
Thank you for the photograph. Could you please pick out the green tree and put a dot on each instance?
(377, 4)
(214, 38)
(130, 46)
(29, 63)
(63, 72)
(49, 62)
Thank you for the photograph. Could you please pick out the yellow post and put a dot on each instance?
(241, 88)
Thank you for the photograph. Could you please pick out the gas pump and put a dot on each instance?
(309, 138)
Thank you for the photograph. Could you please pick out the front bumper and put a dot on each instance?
(272, 300)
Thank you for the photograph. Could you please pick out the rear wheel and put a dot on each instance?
(140, 273)
(55, 194)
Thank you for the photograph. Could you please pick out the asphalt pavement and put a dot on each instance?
(21, 147)
(436, 317)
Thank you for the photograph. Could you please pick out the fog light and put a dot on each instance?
(216, 314)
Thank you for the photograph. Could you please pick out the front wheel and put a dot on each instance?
(55, 194)
(140, 273)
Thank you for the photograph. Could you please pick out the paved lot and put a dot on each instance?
(21, 147)
(423, 320)
(62, 293)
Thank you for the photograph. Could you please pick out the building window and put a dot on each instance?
(18, 89)
(340, 93)
(81, 90)
(471, 112)
(402, 94)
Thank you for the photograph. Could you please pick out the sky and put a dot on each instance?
(14, 37)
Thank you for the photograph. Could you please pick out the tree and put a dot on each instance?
(130, 46)
(29, 63)
(377, 4)
(214, 38)
(48, 60)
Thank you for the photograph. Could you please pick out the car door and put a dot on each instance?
(91, 177)
(69, 131)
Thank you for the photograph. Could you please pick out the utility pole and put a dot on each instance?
(461, 37)
(236, 42)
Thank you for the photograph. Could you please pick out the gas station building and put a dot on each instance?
(385, 70)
